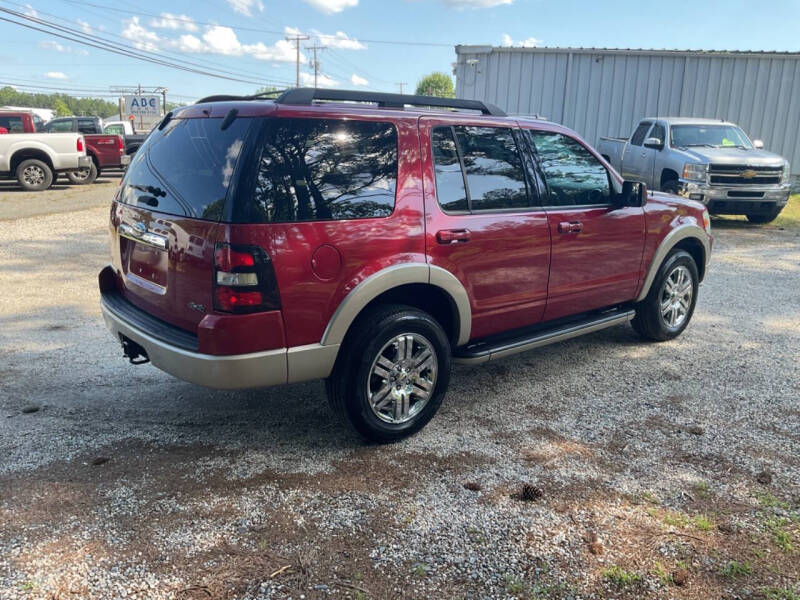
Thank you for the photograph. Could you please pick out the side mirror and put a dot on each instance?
(633, 193)
(654, 142)
(759, 144)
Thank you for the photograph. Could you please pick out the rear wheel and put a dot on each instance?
(84, 176)
(669, 306)
(763, 218)
(34, 175)
(392, 373)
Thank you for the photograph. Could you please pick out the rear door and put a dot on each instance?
(597, 246)
(166, 219)
(483, 220)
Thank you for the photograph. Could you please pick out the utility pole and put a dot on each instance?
(316, 64)
(400, 84)
(297, 38)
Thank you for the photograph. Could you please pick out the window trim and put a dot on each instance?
(531, 206)
(549, 207)
(646, 131)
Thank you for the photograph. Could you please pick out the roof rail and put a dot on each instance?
(307, 96)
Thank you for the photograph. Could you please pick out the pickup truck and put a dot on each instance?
(35, 159)
(20, 121)
(107, 151)
(708, 160)
(126, 129)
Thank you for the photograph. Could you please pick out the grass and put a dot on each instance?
(790, 215)
(737, 569)
(703, 523)
(619, 576)
(662, 574)
(676, 519)
(514, 585)
(702, 489)
(782, 538)
(774, 593)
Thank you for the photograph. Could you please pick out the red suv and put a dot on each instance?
(349, 236)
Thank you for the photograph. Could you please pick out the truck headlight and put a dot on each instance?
(786, 172)
(695, 171)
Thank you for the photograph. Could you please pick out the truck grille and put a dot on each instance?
(744, 175)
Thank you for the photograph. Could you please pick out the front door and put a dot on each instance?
(484, 223)
(637, 160)
(597, 247)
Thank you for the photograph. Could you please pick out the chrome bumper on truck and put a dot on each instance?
(175, 350)
(737, 199)
(84, 162)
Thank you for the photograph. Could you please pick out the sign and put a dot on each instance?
(143, 106)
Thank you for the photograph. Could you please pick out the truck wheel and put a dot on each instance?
(34, 175)
(669, 305)
(392, 373)
(673, 186)
(763, 218)
(84, 176)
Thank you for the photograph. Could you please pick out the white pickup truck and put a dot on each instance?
(34, 159)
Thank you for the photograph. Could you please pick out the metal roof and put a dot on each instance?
(486, 49)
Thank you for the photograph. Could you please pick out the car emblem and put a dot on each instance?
(196, 306)
(749, 174)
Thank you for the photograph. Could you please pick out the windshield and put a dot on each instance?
(714, 136)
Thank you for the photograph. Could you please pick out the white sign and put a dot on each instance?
(143, 106)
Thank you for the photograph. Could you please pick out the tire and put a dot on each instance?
(653, 324)
(673, 186)
(764, 218)
(34, 175)
(84, 176)
(382, 334)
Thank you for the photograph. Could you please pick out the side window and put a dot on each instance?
(659, 132)
(86, 126)
(574, 176)
(450, 190)
(492, 163)
(12, 124)
(37, 123)
(59, 126)
(637, 139)
(324, 169)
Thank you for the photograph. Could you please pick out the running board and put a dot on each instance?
(482, 352)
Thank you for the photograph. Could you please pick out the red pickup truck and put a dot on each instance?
(106, 150)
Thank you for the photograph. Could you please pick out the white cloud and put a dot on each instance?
(339, 40)
(85, 26)
(246, 7)
(307, 79)
(356, 80)
(56, 47)
(531, 42)
(175, 22)
(330, 7)
(142, 38)
(222, 40)
(55, 75)
(30, 11)
(460, 4)
(281, 51)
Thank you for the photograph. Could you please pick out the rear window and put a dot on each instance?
(323, 169)
(12, 124)
(187, 168)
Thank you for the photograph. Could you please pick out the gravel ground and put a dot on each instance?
(666, 470)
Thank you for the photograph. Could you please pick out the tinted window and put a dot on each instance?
(659, 132)
(59, 126)
(186, 169)
(115, 129)
(638, 136)
(450, 190)
(492, 163)
(37, 122)
(321, 169)
(574, 176)
(12, 124)
(87, 126)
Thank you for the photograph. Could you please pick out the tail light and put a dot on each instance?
(120, 145)
(79, 145)
(244, 280)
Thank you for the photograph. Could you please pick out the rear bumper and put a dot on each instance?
(125, 160)
(738, 199)
(170, 349)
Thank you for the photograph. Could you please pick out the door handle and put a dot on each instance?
(570, 227)
(453, 236)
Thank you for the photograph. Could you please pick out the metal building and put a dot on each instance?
(599, 92)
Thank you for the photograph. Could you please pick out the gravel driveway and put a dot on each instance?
(601, 467)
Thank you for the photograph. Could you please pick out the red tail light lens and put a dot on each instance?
(244, 280)
(120, 145)
(79, 145)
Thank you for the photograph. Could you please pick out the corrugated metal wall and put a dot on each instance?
(600, 92)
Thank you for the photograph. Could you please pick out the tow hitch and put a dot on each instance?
(133, 351)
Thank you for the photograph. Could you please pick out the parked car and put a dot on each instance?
(708, 160)
(34, 159)
(133, 140)
(107, 151)
(20, 121)
(257, 243)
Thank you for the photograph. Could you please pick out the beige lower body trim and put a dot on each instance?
(667, 244)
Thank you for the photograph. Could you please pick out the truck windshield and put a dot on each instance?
(715, 136)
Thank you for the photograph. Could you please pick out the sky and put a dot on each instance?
(369, 44)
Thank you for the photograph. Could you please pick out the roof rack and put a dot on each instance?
(307, 96)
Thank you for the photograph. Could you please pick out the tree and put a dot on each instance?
(61, 109)
(83, 107)
(436, 84)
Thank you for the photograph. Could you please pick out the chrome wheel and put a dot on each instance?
(402, 378)
(676, 297)
(81, 175)
(33, 175)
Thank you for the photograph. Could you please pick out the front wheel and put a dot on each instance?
(392, 373)
(84, 176)
(764, 218)
(673, 186)
(668, 307)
